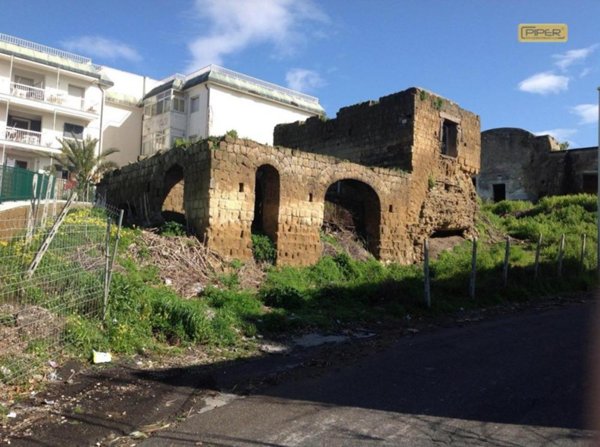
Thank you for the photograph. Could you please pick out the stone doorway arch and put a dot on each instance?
(266, 202)
(173, 206)
(356, 206)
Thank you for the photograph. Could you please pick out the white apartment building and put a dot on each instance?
(48, 94)
(215, 100)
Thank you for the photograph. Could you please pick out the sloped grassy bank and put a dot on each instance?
(145, 315)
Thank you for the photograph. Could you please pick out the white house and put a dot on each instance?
(48, 94)
(215, 100)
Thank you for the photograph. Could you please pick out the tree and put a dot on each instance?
(80, 158)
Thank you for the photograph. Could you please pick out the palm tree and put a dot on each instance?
(79, 157)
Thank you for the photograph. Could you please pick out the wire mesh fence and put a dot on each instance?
(51, 276)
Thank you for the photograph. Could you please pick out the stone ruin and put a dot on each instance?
(403, 165)
(518, 165)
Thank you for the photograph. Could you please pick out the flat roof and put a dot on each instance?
(25, 49)
(241, 82)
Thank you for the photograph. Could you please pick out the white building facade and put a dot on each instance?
(215, 100)
(48, 94)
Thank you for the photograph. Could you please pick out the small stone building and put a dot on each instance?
(518, 165)
(404, 164)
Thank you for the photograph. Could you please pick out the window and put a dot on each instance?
(76, 95)
(24, 81)
(19, 123)
(449, 138)
(21, 164)
(194, 104)
(178, 104)
(590, 183)
(76, 91)
(164, 102)
(73, 131)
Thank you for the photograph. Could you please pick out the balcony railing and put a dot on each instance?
(52, 96)
(23, 136)
(48, 139)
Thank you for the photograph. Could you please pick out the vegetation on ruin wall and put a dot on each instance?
(146, 315)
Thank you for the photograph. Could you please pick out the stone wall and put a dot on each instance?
(529, 167)
(397, 131)
(418, 189)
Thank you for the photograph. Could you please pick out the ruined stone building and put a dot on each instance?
(402, 165)
(517, 165)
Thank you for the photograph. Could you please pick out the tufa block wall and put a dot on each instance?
(417, 191)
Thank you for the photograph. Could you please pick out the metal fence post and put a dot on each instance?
(582, 255)
(114, 252)
(473, 269)
(426, 273)
(506, 260)
(536, 266)
(561, 252)
(106, 268)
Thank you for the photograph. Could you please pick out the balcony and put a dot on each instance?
(53, 97)
(45, 141)
(24, 136)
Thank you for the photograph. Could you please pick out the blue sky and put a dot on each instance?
(348, 51)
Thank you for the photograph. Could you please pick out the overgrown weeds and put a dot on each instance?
(146, 314)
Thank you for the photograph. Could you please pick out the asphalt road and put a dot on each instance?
(518, 380)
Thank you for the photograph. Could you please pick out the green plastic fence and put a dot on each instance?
(17, 184)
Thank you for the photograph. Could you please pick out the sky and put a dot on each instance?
(348, 51)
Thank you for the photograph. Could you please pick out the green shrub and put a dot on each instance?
(172, 228)
(263, 248)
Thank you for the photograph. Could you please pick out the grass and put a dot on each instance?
(146, 316)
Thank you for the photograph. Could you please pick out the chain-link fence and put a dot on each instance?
(54, 272)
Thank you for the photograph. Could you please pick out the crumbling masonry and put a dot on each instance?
(405, 160)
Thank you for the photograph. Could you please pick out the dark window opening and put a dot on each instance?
(73, 131)
(590, 183)
(241, 187)
(499, 190)
(446, 233)
(449, 138)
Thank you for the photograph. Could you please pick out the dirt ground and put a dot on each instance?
(122, 403)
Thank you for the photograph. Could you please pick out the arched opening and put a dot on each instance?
(266, 202)
(172, 208)
(354, 206)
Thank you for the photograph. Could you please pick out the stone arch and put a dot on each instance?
(267, 192)
(356, 205)
(346, 171)
(172, 204)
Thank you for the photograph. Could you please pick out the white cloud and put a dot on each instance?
(564, 60)
(586, 71)
(544, 83)
(587, 113)
(561, 134)
(234, 25)
(303, 80)
(101, 47)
